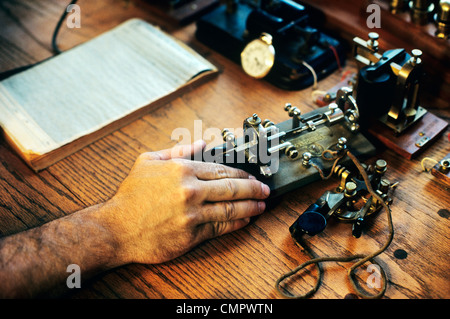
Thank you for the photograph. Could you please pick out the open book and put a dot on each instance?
(79, 96)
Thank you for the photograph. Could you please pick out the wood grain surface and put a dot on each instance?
(243, 264)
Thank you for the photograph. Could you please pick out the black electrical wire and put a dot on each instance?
(363, 258)
(55, 48)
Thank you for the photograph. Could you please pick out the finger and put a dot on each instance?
(215, 229)
(230, 189)
(230, 210)
(178, 151)
(211, 171)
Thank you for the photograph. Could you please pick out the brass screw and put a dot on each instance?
(442, 19)
(372, 43)
(444, 166)
(306, 159)
(416, 56)
(350, 189)
(380, 166)
(342, 143)
(291, 152)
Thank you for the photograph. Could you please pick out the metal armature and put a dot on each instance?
(404, 109)
(263, 141)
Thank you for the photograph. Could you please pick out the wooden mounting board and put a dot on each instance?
(414, 140)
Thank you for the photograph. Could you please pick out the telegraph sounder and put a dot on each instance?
(387, 92)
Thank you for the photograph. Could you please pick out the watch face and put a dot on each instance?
(257, 58)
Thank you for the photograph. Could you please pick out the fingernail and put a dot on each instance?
(265, 189)
(251, 177)
(261, 206)
(246, 220)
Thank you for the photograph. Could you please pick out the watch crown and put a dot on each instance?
(267, 38)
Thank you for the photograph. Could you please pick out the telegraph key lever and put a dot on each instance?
(295, 152)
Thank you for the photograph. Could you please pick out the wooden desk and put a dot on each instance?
(246, 263)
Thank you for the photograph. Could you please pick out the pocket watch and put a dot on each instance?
(258, 56)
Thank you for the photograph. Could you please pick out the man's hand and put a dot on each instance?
(168, 204)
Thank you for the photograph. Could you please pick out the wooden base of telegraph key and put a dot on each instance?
(412, 141)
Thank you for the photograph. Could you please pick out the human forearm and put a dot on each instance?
(35, 262)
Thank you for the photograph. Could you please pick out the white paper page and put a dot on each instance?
(94, 84)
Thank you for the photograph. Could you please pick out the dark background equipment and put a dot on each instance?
(295, 32)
